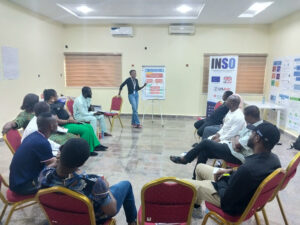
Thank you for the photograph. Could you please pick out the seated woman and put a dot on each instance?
(25, 116)
(67, 121)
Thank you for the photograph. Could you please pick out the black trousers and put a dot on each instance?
(208, 149)
(201, 124)
(28, 188)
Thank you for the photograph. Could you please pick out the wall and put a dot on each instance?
(284, 41)
(40, 48)
(184, 84)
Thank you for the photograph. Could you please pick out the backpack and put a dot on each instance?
(296, 144)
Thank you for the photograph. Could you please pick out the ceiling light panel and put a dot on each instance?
(255, 9)
(135, 9)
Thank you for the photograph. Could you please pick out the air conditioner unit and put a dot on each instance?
(122, 31)
(182, 29)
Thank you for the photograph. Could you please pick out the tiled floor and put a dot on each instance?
(143, 155)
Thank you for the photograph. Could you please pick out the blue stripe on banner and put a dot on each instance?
(215, 79)
(297, 87)
(296, 74)
(297, 67)
(284, 96)
(297, 78)
(277, 63)
(297, 60)
(154, 70)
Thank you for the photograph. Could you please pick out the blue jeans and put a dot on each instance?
(123, 194)
(134, 101)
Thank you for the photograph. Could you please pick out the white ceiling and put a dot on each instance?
(158, 11)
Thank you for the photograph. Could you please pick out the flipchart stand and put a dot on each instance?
(150, 103)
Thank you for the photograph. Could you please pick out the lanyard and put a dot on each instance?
(134, 83)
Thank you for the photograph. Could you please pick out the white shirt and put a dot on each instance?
(32, 127)
(243, 140)
(234, 122)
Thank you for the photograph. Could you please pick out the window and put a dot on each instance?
(93, 69)
(250, 74)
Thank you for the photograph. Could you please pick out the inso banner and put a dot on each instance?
(222, 77)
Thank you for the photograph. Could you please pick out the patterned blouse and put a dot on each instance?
(89, 185)
(23, 119)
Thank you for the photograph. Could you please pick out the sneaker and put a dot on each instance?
(100, 148)
(197, 213)
(107, 134)
(93, 153)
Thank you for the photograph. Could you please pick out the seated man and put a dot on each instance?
(107, 200)
(216, 118)
(233, 193)
(39, 108)
(233, 122)
(67, 121)
(83, 111)
(32, 156)
(223, 149)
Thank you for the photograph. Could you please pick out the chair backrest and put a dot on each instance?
(218, 104)
(116, 103)
(291, 170)
(263, 193)
(64, 207)
(69, 106)
(13, 140)
(167, 200)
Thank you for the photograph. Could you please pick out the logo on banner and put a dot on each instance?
(227, 80)
(215, 79)
(223, 63)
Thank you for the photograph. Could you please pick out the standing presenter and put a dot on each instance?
(133, 96)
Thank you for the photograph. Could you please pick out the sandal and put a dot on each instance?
(177, 160)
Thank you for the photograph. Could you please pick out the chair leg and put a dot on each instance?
(281, 210)
(205, 219)
(112, 123)
(120, 121)
(10, 214)
(109, 120)
(3, 211)
(265, 216)
(256, 218)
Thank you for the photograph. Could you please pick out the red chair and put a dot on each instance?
(290, 173)
(65, 207)
(12, 199)
(262, 195)
(13, 140)
(115, 111)
(69, 106)
(167, 200)
(218, 104)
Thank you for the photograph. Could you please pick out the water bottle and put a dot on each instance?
(263, 100)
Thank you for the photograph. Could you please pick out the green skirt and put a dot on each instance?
(85, 131)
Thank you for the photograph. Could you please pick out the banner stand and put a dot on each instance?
(150, 103)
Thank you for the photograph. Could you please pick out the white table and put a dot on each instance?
(267, 105)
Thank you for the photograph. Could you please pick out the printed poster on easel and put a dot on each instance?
(155, 77)
(222, 77)
(285, 90)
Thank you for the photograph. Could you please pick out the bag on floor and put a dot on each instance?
(296, 144)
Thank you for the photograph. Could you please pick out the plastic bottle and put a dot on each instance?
(263, 100)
